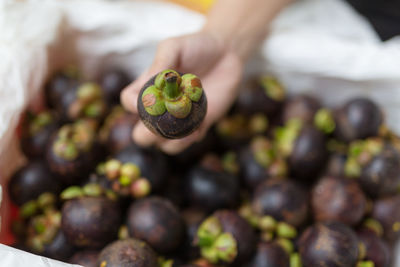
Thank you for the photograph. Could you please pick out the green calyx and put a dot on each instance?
(324, 121)
(230, 163)
(72, 139)
(125, 177)
(39, 121)
(263, 151)
(286, 136)
(163, 262)
(267, 224)
(42, 229)
(286, 244)
(123, 232)
(360, 152)
(46, 201)
(247, 213)
(272, 88)
(295, 260)
(365, 264)
(89, 102)
(285, 230)
(258, 123)
(216, 245)
(173, 93)
(374, 226)
(88, 190)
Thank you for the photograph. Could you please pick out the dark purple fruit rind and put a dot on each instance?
(269, 255)
(329, 244)
(241, 231)
(85, 258)
(90, 222)
(127, 253)
(338, 199)
(377, 250)
(166, 124)
(156, 221)
(302, 107)
(284, 200)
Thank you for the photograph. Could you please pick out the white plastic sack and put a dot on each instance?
(321, 47)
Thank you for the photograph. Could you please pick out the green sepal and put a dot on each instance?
(153, 102)
(192, 87)
(272, 88)
(226, 247)
(179, 108)
(324, 121)
(71, 193)
(208, 231)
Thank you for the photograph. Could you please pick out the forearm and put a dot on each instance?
(243, 24)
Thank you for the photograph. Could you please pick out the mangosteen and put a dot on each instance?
(30, 181)
(336, 164)
(226, 238)
(329, 244)
(116, 132)
(304, 147)
(46, 238)
(236, 130)
(358, 118)
(36, 132)
(151, 162)
(158, 222)
(376, 249)
(84, 101)
(172, 105)
(301, 107)
(283, 199)
(387, 212)
(195, 151)
(193, 219)
(124, 179)
(128, 253)
(60, 83)
(269, 254)
(72, 151)
(263, 94)
(85, 258)
(90, 217)
(376, 164)
(259, 161)
(112, 82)
(338, 199)
(209, 187)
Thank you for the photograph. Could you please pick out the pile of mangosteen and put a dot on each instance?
(279, 181)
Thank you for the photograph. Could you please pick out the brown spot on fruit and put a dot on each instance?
(149, 100)
(196, 82)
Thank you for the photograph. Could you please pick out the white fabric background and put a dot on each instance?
(317, 46)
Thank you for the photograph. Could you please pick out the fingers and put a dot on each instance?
(143, 136)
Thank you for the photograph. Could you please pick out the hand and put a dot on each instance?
(203, 54)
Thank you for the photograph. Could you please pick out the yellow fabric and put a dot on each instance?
(198, 5)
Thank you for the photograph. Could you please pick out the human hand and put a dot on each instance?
(205, 55)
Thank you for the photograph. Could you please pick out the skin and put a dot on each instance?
(217, 54)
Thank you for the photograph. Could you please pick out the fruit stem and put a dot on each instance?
(171, 88)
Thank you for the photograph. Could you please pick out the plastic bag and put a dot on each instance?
(321, 47)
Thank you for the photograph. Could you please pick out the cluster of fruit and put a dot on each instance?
(280, 181)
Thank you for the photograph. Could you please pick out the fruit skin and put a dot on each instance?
(128, 253)
(253, 99)
(85, 258)
(309, 153)
(209, 189)
(377, 250)
(328, 244)
(283, 199)
(338, 199)
(116, 133)
(387, 211)
(269, 254)
(90, 222)
(30, 181)
(59, 248)
(168, 126)
(112, 82)
(158, 222)
(358, 118)
(58, 85)
(381, 175)
(336, 165)
(302, 107)
(152, 164)
(241, 231)
(33, 145)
